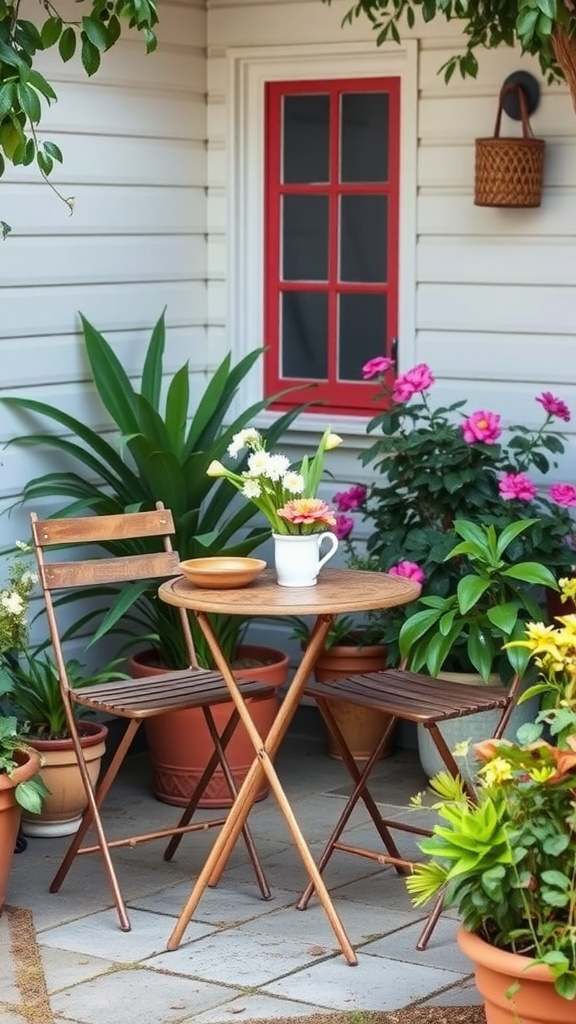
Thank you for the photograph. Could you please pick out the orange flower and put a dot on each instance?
(308, 512)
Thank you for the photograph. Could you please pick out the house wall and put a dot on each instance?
(489, 299)
(134, 144)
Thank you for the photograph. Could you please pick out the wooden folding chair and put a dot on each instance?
(409, 697)
(134, 700)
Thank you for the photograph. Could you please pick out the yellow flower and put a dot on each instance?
(332, 441)
(496, 771)
(215, 469)
(568, 588)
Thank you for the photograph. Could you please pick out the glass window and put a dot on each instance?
(364, 140)
(305, 143)
(361, 333)
(305, 238)
(363, 238)
(305, 335)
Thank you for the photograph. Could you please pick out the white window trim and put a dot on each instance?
(249, 69)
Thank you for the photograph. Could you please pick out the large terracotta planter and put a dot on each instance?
(180, 744)
(534, 1002)
(361, 727)
(10, 811)
(62, 809)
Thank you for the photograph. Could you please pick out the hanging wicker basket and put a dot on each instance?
(509, 172)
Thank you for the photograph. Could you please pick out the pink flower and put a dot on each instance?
(352, 499)
(419, 378)
(410, 570)
(481, 426)
(308, 511)
(563, 494)
(344, 526)
(554, 406)
(377, 366)
(517, 486)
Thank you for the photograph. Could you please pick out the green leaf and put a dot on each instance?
(90, 55)
(531, 572)
(97, 33)
(53, 150)
(50, 32)
(67, 44)
(469, 590)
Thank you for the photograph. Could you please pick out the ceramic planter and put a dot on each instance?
(180, 744)
(361, 727)
(62, 809)
(10, 811)
(534, 1002)
(470, 727)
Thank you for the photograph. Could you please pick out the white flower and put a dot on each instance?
(258, 463)
(332, 441)
(248, 438)
(12, 603)
(22, 545)
(277, 467)
(293, 482)
(29, 579)
(251, 489)
(215, 469)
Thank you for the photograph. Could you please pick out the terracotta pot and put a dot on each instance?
(180, 744)
(62, 809)
(361, 727)
(10, 811)
(534, 1002)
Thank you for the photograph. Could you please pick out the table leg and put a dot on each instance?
(263, 764)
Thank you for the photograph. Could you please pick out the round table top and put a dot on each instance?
(337, 591)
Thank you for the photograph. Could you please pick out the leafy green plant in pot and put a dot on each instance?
(167, 446)
(507, 858)
(465, 631)
(20, 786)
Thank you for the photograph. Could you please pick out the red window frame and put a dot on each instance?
(345, 397)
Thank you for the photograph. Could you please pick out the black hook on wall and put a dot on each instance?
(530, 87)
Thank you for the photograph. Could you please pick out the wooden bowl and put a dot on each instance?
(222, 572)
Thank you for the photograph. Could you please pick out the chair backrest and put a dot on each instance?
(54, 535)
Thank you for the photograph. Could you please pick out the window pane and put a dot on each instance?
(305, 238)
(305, 139)
(362, 332)
(305, 335)
(364, 238)
(365, 129)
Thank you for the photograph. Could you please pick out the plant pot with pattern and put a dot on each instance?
(180, 744)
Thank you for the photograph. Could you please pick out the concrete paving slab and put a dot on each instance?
(67, 967)
(99, 935)
(441, 951)
(225, 906)
(237, 956)
(257, 1007)
(138, 995)
(312, 928)
(375, 983)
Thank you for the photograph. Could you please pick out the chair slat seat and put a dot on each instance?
(415, 698)
(145, 698)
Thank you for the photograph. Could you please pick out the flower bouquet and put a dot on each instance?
(286, 495)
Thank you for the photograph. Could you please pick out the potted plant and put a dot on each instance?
(167, 446)
(507, 859)
(435, 465)
(20, 787)
(465, 631)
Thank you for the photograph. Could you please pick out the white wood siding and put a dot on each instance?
(134, 145)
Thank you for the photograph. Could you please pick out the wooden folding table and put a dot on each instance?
(338, 591)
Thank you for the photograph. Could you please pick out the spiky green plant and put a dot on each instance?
(161, 452)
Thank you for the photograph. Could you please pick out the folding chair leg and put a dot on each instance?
(92, 816)
(360, 792)
(219, 758)
(431, 922)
